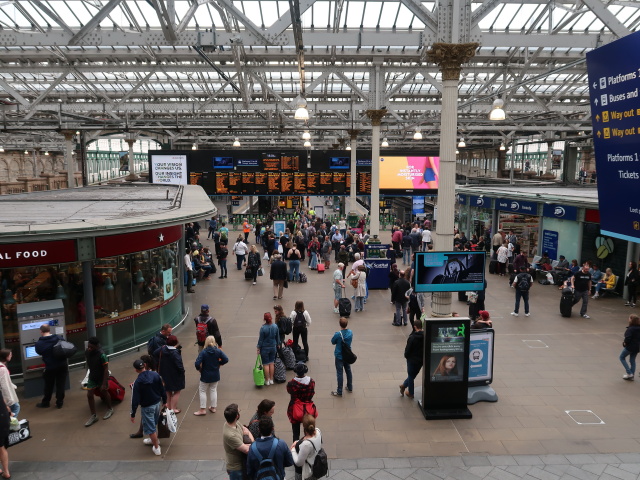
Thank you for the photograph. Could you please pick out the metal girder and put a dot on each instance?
(248, 24)
(52, 15)
(93, 23)
(165, 19)
(280, 25)
(424, 15)
(44, 94)
(606, 17)
(11, 91)
(135, 88)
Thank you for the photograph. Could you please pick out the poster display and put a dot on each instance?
(407, 174)
(169, 169)
(481, 357)
(167, 283)
(449, 271)
(550, 243)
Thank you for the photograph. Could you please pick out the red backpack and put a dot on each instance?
(202, 330)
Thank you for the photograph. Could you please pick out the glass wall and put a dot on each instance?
(128, 292)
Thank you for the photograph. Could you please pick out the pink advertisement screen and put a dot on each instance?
(409, 173)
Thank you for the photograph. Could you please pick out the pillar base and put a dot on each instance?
(132, 177)
(441, 304)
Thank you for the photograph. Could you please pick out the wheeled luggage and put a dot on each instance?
(493, 266)
(320, 268)
(248, 274)
(344, 307)
(566, 302)
(279, 371)
(287, 356)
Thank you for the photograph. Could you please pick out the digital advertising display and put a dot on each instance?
(449, 271)
(481, 357)
(339, 163)
(223, 162)
(447, 354)
(402, 175)
(168, 169)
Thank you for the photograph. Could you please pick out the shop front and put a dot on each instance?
(481, 209)
(522, 218)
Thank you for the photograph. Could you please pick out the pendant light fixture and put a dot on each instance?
(497, 112)
(461, 143)
(384, 142)
(306, 135)
(236, 142)
(502, 147)
(301, 113)
(417, 135)
(307, 144)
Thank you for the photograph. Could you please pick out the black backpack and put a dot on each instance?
(267, 467)
(299, 323)
(523, 282)
(285, 326)
(320, 467)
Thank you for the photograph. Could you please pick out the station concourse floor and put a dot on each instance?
(563, 409)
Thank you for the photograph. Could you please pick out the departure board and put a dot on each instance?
(222, 183)
(271, 162)
(286, 183)
(326, 183)
(235, 183)
(364, 183)
(261, 185)
(299, 183)
(290, 163)
(313, 183)
(339, 183)
(248, 182)
(273, 180)
(195, 178)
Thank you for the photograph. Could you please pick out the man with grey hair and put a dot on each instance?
(338, 285)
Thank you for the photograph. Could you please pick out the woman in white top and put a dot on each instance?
(6, 385)
(503, 257)
(304, 450)
(301, 330)
(360, 275)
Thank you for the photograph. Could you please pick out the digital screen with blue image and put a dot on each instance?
(339, 163)
(481, 357)
(222, 162)
(449, 271)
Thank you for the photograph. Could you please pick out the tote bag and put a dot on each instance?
(258, 372)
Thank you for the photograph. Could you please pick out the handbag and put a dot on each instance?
(258, 372)
(354, 282)
(348, 356)
(266, 256)
(163, 428)
(286, 284)
(260, 272)
(172, 420)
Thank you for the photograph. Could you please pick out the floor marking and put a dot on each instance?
(587, 414)
(535, 344)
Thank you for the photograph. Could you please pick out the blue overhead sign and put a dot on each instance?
(479, 202)
(517, 206)
(614, 82)
(461, 199)
(563, 212)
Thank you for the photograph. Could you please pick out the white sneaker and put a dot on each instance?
(254, 283)
(156, 450)
(585, 316)
(527, 314)
(595, 296)
(627, 376)
(147, 441)
(514, 314)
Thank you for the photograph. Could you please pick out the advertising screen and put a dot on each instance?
(339, 163)
(447, 354)
(449, 271)
(222, 162)
(169, 169)
(481, 357)
(402, 175)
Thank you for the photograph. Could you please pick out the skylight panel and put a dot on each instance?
(269, 12)
(588, 21)
(355, 14)
(371, 15)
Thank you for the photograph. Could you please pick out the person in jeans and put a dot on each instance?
(222, 255)
(294, 257)
(630, 347)
(148, 392)
(344, 335)
(581, 283)
(413, 353)
(241, 250)
(56, 370)
(521, 278)
(235, 449)
(398, 296)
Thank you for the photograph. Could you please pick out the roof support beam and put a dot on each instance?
(11, 91)
(44, 95)
(242, 18)
(424, 15)
(52, 15)
(280, 25)
(164, 16)
(94, 22)
(600, 10)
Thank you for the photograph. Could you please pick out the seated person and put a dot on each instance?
(562, 269)
(545, 260)
(573, 269)
(596, 274)
(608, 282)
(483, 320)
(200, 265)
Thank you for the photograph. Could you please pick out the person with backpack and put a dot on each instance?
(326, 252)
(284, 323)
(345, 336)
(98, 383)
(301, 321)
(159, 339)
(208, 363)
(169, 365)
(306, 459)
(206, 326)
(302, 389)
(522, 283)
(268, 455)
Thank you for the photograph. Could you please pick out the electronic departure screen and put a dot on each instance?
(326, 183)
(195, 178)
(300, 183)
(290, 163)
(261, 185)
(286, 183)
(274, 182)
(222, 183)
(248, 182)
(235, 183)
(339, 183)
(363, 186)
(223, 162)
(271, 162)
(313, 183)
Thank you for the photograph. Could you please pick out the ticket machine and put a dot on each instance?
(30, 317)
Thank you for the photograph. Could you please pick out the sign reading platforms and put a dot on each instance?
(614, 85)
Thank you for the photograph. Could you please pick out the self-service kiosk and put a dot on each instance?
(30, 317)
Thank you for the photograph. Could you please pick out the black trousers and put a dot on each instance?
(296, 335)
(55, 377)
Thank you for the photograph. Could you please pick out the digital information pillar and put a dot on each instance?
(445, 374)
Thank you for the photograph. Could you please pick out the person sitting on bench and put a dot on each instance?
(608, 282)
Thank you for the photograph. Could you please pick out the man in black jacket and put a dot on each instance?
(398, 295)
(278, 274)
(413, 352)
(159, 339)
(211, 330)
(56, 370)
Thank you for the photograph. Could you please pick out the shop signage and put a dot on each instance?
(550, 243)
(563, 212)
(111, 245)
(615, 104)
(479, 202)
(518, 206)
(461, 199)
(37, 253)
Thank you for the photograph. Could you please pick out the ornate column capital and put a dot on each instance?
(130, 141)
(68, 134)
(353, 134)
(451, 56)
(376, 116)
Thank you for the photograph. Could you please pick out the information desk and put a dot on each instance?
(379, 266)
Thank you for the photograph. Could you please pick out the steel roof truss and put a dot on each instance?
(94, 22)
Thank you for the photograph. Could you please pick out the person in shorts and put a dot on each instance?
(338, 285)
(149, 394)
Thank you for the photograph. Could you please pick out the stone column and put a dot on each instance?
(449, 57)
(68, 157)
(132, 177)
(351, 206)
(376, 120)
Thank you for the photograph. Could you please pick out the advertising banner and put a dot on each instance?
(481, 357)
(550, 243)
(169, 169)
(517, 206)
(449, 271)
(167, 282)
(406, 174)
(614, 83)
(479, 202)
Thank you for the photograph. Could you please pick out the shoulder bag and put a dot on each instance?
(348, 356)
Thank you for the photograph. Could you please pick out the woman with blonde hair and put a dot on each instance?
(304, 451)
(208, 363)
(608, 282)
(254, 262)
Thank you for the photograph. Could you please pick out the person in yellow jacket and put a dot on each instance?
(608, 282)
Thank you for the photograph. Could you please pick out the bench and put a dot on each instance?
(613, 290)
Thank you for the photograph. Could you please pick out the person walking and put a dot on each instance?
(630, 347)
(240, 250)
(522, 283)
(206, 326)
(413, 353)
(294, 257)
(302, 388)
(267, 343)
(7, 387)
(631, 281)
(344, 335)
(254, 262)
(415, 305)
(399, 297)
(56, 370)
(5, 419)
(301, 321)
(304, 451)
(208, 363)
(222, 255)
(188, 267)
(98, 383)
(171, 369)
(581, 283)
(338, 285)
(148, 392)
(235, 449)
(278, 274)
(503, 259)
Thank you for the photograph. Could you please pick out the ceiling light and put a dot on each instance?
(461, 143)
(306, 135)
(1, 148)
(457, 152)
(26, 152)
(349, 147)
(384, 142)
(194, 146)
(307, 144)
(497, 112)
(502, 147)
(417, 135)
(236, 142)
(46, 153)
(301, 113)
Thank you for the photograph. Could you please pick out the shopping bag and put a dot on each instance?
(260, 272)
(163, 428)
(172, 420)
(258, 372)
(266, 256)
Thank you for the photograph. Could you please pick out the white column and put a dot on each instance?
(132, 177)
(376, 118)
(68, 158)
(351, 207)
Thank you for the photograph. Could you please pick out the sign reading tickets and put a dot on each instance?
(614, 83)
(169, 169)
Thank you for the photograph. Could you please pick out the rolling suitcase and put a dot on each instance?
(566, 302)
(493, 265)
(320, 268)
(344, 307)
(248, 274)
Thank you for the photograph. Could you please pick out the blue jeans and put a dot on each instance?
(313, 260)
(15, 409)
(406, 256)
(359, 303)
(223, 268)
(525, 297)
(294, 270)
(347, 368)
(401, 313)
(150, 416)
(413, 369)
(240, 259)
(631, 370)
(235, 474)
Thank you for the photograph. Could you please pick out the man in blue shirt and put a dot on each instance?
(262, 446)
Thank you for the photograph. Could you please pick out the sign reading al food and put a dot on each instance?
(37, 253)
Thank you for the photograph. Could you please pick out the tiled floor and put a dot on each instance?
(545, 366)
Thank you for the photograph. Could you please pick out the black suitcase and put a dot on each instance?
(344, 307)
(566, 302)
(493, 265)
(248, 274)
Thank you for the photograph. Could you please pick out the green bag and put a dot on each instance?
(258, 372)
